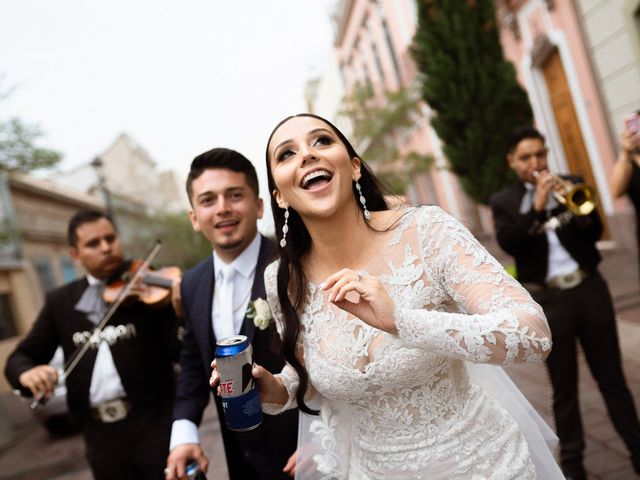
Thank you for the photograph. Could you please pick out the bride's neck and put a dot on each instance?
(338, 242)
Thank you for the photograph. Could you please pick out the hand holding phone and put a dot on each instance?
(631, 134)
(632, 122)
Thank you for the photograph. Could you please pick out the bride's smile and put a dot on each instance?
(311, 168)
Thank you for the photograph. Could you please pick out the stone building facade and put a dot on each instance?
(372, 47)
(33, 250)
(579, 62)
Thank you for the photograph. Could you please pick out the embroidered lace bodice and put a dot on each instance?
(402, 405)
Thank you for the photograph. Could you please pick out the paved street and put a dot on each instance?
(33, 455)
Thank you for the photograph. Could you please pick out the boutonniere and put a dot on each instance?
(259, 310)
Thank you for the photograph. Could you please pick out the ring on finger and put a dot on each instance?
(360, 274)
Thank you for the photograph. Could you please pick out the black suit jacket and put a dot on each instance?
(143, 353)
(260, 453)
(519, 236)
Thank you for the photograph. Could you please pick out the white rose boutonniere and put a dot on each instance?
(259, 310)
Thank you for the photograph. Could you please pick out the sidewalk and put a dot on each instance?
(606, 457)
(34, 456)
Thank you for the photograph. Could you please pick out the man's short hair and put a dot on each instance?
(523, 133)
(222, 158)
(80, 218)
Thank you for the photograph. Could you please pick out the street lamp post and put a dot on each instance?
(97, 164)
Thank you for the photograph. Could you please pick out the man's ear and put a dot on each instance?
(259, 207)
(194, 220)
(73, 253)
(356, 163)
(279, 200)
(510, 159)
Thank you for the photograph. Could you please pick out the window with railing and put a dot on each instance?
(45, 272)
(392, 51)
(68, 269)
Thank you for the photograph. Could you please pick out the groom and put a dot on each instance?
(222, 186)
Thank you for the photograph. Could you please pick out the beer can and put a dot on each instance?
(240, 401)
(193, 472)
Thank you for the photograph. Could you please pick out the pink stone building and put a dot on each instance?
(372, 42)
(578, 60)
(578, 63)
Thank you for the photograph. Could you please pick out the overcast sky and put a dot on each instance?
(179, 76)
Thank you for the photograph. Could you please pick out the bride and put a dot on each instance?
(383, 313)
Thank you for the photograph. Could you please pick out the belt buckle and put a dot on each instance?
(569, 280)
(112, 411)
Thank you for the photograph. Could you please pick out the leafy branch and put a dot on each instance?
(381, 123)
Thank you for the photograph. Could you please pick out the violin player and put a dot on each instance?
(123, 386)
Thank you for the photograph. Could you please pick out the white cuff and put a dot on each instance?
(183, 431)
(290, 380)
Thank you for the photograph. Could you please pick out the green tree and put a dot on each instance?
(379, 123)
(181, 246)
(7, 233)
(472, 89)
(18, 149)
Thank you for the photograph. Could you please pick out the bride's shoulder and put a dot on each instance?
(271, 272)
(425, 222)
(416, 216)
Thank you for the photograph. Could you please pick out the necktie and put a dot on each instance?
(91, 303)
(528, 199)
(225, 327)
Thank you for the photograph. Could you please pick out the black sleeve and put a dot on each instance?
(37, 348)
(634, 184)
(590, 226)
(514, 231)
(172, 326)
(193, 391)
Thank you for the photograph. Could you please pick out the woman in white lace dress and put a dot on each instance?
(380, 311)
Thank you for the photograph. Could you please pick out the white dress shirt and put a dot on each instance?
(245, 267)
(559, 260)
(105, 380)
(185, 431)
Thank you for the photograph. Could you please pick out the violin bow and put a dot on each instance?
(75, 358)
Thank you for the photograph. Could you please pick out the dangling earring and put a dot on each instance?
(363, 201)
(285, 228)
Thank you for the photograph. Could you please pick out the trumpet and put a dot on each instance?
(580, 199)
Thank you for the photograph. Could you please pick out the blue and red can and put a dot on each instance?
(240, 401)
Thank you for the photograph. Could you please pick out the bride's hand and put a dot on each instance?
(270, 388)
(374, 307)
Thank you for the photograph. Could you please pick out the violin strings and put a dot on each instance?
(73, 361)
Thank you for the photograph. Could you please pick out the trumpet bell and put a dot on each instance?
(581, 200)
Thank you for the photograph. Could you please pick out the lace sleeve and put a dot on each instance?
(498, 323)
(288, 375)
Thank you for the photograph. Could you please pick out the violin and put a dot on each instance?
(153, 287)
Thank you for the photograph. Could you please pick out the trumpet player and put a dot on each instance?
(552, 240)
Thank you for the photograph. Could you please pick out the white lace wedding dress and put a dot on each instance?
(403, 405)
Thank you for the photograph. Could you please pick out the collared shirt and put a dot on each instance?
(105, 380)
(245, 267)
(559, 260)
(185, 431)
(526, 204)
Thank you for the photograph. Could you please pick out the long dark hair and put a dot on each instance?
(291, 279)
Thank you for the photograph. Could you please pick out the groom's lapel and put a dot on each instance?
(265, 257)
(204, 299)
